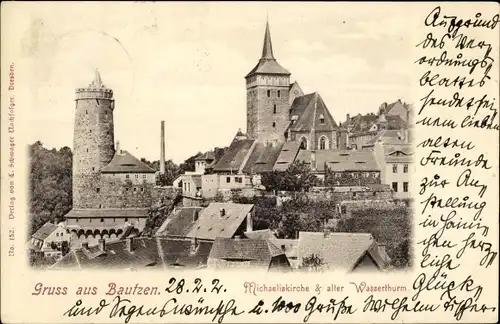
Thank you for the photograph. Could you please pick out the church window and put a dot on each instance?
(274, 124)
(322, 143)
(274, 109)
(279, 94)
(303, 143)
(268, 93)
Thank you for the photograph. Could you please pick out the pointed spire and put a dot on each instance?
(267, 51)
(97, 83)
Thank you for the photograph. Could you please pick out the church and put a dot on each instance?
(280, 119)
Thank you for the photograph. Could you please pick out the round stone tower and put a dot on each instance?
(93, 142)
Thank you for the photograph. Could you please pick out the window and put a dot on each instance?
(135, 189)
(303, 143)
(228, 179)
(87, 150)
(395, 186)
(274, 109)
(126, 219)
(405, 168)
(274, 125)
(239, 179)
(93, 168)
(144, 176)
(102, 220)
(322, 143)
(98, 190)
(127, 176)
(268, 93)
(394, 168)
(142, 189)
(321, 119)
(86, 112)
(90, 131)
(279, 94)
(137, 176)
(405, 186)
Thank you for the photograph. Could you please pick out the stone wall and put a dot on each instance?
(339, 194)
(358, 178)
(165, 195)
(93, 140)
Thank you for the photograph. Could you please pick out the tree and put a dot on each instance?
(172, 171)
(50, 184)
(298, 177)
(389, 226)
(313, 262)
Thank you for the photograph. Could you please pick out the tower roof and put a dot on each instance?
(97, 82)
(267, 63)
(267, 50)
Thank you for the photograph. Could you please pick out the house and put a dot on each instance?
(397, 108)
(342, 167)
(225, 220)
(346, 252)
(179, 222)
(246, 253)
(290, 247)
(136, 253)
(50, 239)
(216, 220)
(397, 166)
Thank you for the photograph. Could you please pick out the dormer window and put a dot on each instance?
(321, 119)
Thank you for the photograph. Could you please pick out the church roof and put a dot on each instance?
(124, 162)
(267, 63)
(315, 115)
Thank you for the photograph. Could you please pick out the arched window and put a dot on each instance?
(268, 93)
(274, 109)
(323, 143)
(303, 143)
(274, 124)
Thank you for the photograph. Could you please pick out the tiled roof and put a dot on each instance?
(211, 224)
(395, 122)
(312, 115)
(234, 156)
(108, 213)
(287, 155)
(262, 158)
(179, 222)
(268, 66)
(341, 160)
(43, 232)
(398, 153)
(257, 252)
(265, 234)
(339, 251)
(207, 156)
(362, 123)
(147, 253)
(124, 162)
(300, 104)
(386, 136)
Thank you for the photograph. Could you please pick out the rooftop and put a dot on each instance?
(124, 162)
(341, 160)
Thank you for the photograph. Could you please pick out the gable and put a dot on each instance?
(314, 116)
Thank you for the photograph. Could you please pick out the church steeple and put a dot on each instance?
(267, 50)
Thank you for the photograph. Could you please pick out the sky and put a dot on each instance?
(185, 63)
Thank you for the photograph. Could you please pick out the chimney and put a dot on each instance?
(313, 160)
(194, 245)
(130, 244)
(347, 118)
(118, 151)
(162, 148)
(85, 245)
(102, 244)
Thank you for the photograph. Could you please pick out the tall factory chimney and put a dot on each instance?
(162, 148)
